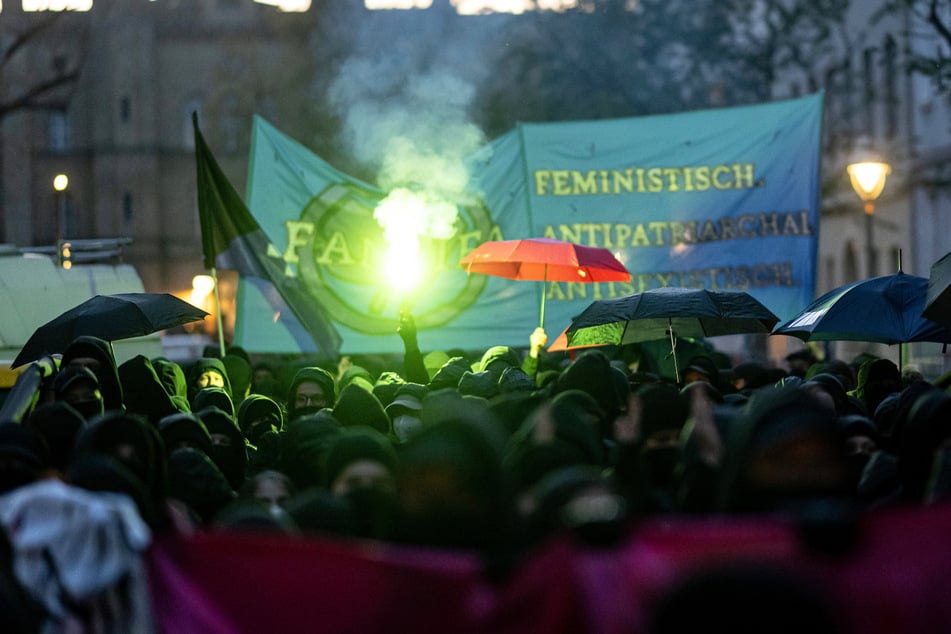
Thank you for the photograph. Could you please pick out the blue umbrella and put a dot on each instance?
(884, 309)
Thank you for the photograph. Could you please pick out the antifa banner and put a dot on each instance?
(725, 199)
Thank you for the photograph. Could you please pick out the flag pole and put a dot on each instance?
(221, 330)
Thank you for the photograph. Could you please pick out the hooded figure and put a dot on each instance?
(173, 379)
(79, 387)
(239, 376)
(172, 376)
(483, 384)
(404, 410)
(144, 393)
(828, 389)
(926, 432)
(358, 407)
(449, 374)
(303, 447)
(877, 378)
(311, 390)
(451, 487)
(665, 411)
(60, 425)
(356, 375)
(195, 480)
(206, 372)
(497, 358)
(591, 372)
(258, 414)
(386, 387)
(24, 456)
(96, 354)
(102, 472)
(228, 450)
(360, 458)
(213, 397)
(184, 430)
(783, 453)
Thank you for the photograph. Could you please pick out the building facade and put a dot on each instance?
(122, 132)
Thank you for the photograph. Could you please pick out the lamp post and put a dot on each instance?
(868, 181)
(60, 183)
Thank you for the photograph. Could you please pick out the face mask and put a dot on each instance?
(88, 408)
(660, 464)
(306, 410)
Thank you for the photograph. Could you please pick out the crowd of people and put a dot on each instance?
(494, 452)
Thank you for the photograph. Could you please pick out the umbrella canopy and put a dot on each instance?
(669, 312)
(886, 309)
(545, 260)
(109, 317)
(938, 300)
(689, 312)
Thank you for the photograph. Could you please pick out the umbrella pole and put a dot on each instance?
(221, 330)
(541, 317)
(673, 349)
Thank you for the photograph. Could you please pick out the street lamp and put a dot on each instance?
(868, 181)
(60, 183)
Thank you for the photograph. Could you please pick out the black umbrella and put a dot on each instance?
(938, 302)
(109, 317)
(669, 312)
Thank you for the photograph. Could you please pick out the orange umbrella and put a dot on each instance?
(545, 260)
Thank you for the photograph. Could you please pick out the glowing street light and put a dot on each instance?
(868, 181)
(202, 286)
(63, 252)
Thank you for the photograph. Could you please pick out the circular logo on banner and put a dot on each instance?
(342, 252)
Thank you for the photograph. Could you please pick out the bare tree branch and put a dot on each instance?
(28, 35)
(935, 20)
(32, 96)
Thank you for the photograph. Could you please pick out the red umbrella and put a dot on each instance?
(545, 260)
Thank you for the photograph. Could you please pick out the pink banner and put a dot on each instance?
(893, 578)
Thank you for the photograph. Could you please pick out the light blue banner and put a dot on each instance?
(727, 199)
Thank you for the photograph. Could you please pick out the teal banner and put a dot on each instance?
(726, 199)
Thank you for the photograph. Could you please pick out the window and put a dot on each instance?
(125, 109)
(128, 208)
(851, 263)
(58, 131)
(891, 88)
(868, 90)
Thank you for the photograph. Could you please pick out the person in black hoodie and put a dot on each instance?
(311, 390)
(79, 387)
(144, 393)
(206, 372)
(97, 355)
(228, 450)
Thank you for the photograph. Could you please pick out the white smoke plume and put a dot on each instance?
(405, 97)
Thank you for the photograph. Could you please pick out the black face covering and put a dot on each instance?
(232, 461)
(306, 410)
(660, 465)
(88, 408)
